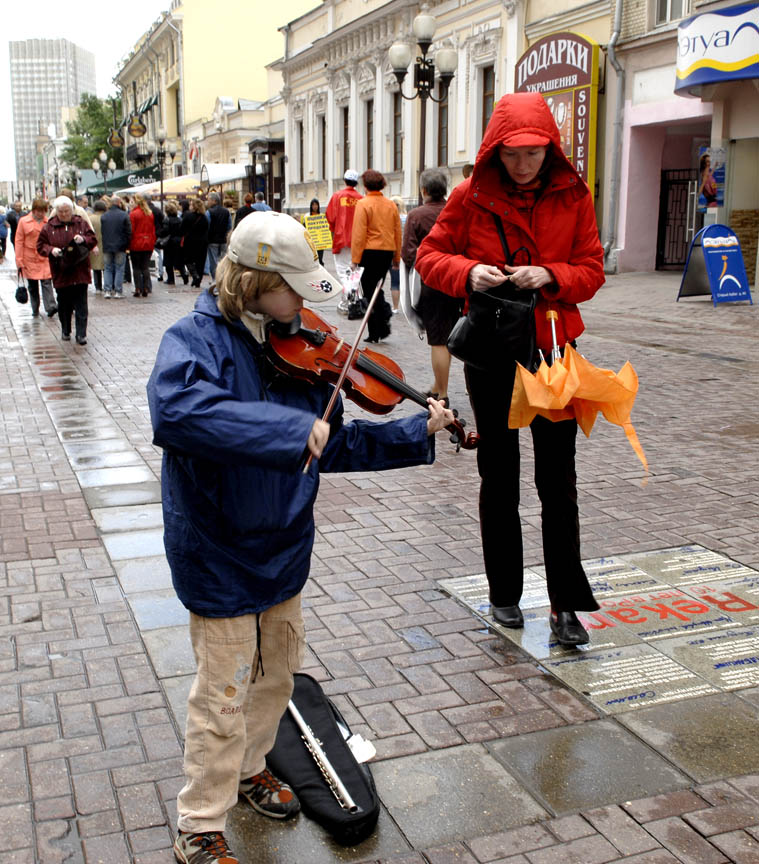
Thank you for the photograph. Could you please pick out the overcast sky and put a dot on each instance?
(107, 29)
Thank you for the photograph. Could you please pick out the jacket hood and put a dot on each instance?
(519, 113)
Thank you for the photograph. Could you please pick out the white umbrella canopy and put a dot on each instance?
(184, 185)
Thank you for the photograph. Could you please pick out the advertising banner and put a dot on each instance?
(717, 46)
(564, 68)
(318, 227)
(711, 177)
(715, 266)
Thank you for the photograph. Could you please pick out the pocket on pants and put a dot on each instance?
(296, 645)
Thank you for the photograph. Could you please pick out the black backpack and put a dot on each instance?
(291, 761)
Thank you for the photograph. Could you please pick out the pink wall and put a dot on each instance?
(678, 152)
(642, 213)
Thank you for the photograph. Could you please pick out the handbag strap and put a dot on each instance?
(502, 237)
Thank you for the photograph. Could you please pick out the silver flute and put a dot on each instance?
(314, 747)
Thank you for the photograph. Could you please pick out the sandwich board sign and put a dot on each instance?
(715, 266)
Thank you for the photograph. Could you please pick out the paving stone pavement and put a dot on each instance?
(95, 661)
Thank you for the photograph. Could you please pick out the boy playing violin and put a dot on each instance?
(238, 512)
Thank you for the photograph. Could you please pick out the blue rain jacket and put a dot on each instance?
(237, 511)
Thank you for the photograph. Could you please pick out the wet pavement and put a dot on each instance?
(492, 746)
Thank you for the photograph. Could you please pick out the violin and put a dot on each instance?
(310, 349)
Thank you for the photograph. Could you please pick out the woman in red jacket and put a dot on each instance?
(141, 245)
(522, 178)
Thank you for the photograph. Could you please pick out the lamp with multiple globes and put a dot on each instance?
(103, 165)
(400, 54)
(164, 154)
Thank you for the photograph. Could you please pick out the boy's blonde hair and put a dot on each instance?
(238, 285)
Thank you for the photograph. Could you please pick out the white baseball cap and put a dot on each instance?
(351, 175)
(278, 243)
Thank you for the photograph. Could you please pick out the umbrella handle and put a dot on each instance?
(552, 315)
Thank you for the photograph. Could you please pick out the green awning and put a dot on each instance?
(147, 104)
(122, 179)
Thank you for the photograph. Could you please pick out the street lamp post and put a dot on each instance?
(424, 26)
(164, 155)
(103, 165)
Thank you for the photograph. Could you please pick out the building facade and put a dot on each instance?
(46, 75)
(345, 108)
(664, 132)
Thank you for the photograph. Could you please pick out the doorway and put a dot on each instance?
(673, 235)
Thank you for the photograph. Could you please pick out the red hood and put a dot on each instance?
(518, 112)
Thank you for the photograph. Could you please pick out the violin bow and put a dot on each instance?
(346, 366)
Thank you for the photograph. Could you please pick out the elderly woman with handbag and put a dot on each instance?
(524, 195)
(66, 240)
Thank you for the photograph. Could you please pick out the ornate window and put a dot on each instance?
(397, 131)
(369, 133)
(346, 138)
(488, 95)
(442, 129)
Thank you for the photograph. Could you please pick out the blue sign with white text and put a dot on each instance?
(715, 266)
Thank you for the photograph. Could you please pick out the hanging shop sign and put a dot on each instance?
(115, 139)
(136, 127)
(715, 266)
(564, 68)
(717, 46)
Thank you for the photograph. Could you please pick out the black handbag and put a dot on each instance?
(22, 295)
(293, 762)
(499, 326)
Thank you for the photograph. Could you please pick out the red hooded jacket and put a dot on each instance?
(562, 235)
(143, 230)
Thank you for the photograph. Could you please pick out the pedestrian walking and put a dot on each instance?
(116, 231)
(340, 212)
(376, 246)
(96, 256)
(524, 186)
(66, 239)
(238, 514)
(171, 238)
(395, 273)
(245, 210)
(438, 311)
(141, 244)
(4, 231)
(194, 240)
(32, 266)
(260, 203)
(13, 215)
(220, 224)
(314, 209)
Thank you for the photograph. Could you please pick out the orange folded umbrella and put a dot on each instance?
(574, 388)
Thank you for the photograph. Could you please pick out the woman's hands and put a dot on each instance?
(528, 277)
(439, 417)
(78, 238)
(482, 277)
(317, 438)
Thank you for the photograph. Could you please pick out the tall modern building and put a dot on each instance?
(46, 75)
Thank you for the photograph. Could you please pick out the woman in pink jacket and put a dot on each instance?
(31, 265)
(141, 245)
(523, 181)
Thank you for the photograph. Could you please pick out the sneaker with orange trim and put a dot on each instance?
(270, 796)
(207, 847)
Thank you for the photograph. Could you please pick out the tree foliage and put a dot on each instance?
(88, 134)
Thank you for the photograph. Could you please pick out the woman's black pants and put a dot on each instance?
(498, 465)
(73, 298)
(376, 263)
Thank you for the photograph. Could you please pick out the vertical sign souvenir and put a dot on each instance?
(564, 68)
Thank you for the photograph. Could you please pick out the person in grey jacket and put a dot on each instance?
(117, 232)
